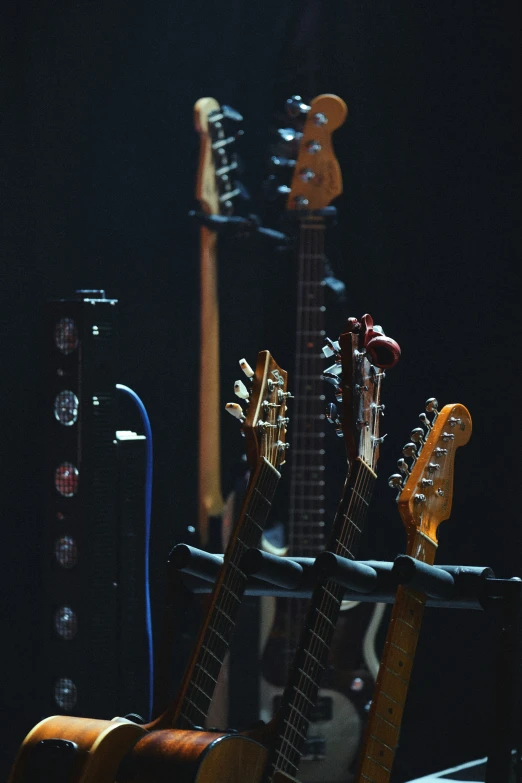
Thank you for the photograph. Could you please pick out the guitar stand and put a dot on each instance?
(458, 587)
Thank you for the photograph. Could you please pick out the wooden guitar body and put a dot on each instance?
(74, 750)
(179, 756)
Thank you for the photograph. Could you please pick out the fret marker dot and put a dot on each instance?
(381, 753)
(400, 663)
(390, 710)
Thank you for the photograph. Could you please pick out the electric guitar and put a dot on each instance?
(357, 375)
(94, 749)
(315, 183)
(424, 502)
(216, 189)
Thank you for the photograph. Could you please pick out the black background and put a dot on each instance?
(99, 157)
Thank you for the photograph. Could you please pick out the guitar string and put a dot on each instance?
(322, 628)
(400, 609)
(233, 580)
(310, 259)
(342, 537)
(352, 513)
(240, 579)
(304, 688)
(329, 603)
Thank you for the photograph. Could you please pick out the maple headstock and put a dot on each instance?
(425, 484)
(362, 353)
(264, 423)
(216, 186)
(317, 177)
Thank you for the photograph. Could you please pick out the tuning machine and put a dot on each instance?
(333, 418)
(432, 406)
(235, 410)
(396, 481)
(295, 106)
(241, 390)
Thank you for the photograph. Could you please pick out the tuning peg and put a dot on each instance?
(289, 134)
(417, 435)
(395, 481)
(246, 368)
(333, 418)
(331, 412)
(410, 450)
(281, 162)
(235, 410)
(295, 106)
(432, 406)
(425, 421)
(241, 390)
(273, 190)
(334, 370)
(403, 466)
(331, 348)
(231, 114)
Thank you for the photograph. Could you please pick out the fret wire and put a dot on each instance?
(329, 600)
(401, 633)
(227, 598)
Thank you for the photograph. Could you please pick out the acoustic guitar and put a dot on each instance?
(424, 502)
(204, 757)
(94, 749)
(315, 183)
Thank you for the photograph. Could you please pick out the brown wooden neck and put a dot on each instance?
(311, 658)
(210, 500)
(191, 705)
(391, 688)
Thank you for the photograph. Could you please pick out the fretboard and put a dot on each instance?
(311, 659)
(306, 507)
(193, 700)
(391, 688)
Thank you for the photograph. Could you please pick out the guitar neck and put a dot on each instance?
(210, 500)
(311, 658)
(306, 506)
(193, 701)
(391, 688)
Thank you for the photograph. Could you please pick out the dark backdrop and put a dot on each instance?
(99, 157)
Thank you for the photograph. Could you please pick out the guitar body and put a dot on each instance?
(179, 756)
(74, 750)
(337, 723)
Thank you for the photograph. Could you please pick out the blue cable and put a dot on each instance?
(148, 510)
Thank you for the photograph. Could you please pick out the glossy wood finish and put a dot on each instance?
(435, 463)
(101, 746)
(210, 499)
(327, 113)
(177, 756)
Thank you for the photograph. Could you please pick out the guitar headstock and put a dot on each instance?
(307, 149)
(264, 423)
(216, 185)
(425, 483)
(362, 353)
(317, 177)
